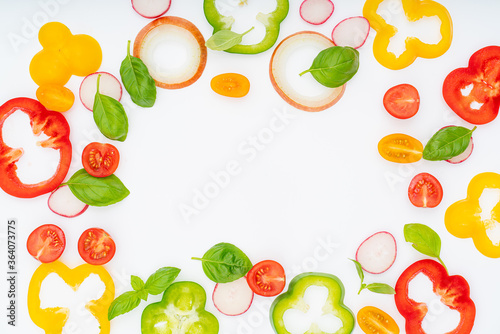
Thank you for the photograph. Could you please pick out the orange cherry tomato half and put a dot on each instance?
(100, 160)
(230, 84)
(55, 97)
(267, 278)
(375, 321)
(46, 243)
(402, 101)
(96, 247)
(400, 148)
(425, 191)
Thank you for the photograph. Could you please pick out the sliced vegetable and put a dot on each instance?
(46, 243)
(447, 143)
(464, 155)
(316, 11)
(180, 311)
(321, 97)
(230, 84)
(424, 240)
(400, 148)
(373, 320)
(108, 85)
(96, 246)
(100, 159)
(225, 39)
(167, 33)
(377, 253)
(267, 278)
(334, 66)
(473, 92)
(49, 123)
(55, 97)
(151, 9)
(453, 291)
(295, 301)
(402, 101)
(53, 319)
(352, 32)
(425, 191)
(224, 263)
(64, 203)
(373, 287)
(233, 298)
(271, 21)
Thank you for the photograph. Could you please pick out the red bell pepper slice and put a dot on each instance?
(481, 105)
(53, 125)
(453, 290)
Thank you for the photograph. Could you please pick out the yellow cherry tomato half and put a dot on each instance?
(400, 148)
(375, 321)
(55, 97)
(230, 84)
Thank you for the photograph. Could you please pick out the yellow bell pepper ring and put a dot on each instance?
(53, 319)
(476, 217)
(414, 10)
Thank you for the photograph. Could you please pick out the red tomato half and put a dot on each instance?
(46, 243)
(425, 191)
(96, 246)
(266, 278)
(100, 160)
(402, 101)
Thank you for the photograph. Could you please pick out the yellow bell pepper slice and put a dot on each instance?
(414, 47)
(53, 319)
(467, 219)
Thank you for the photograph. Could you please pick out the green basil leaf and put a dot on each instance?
(137, 80)
(143, 294)
(381, 288)
(423, 239)
(97, 191)
(160, 280)
(447, 143)
(225, 39)
(225, 263)
(334, 66)
(123, 304)
(137, 283)
(109, 116)
(359, 269)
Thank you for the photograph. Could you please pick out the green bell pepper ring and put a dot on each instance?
(180, 311)
(271, 22)
(294, 299)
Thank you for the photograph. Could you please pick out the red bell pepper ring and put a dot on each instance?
(481, 104)
(53, 125)
(453, 290)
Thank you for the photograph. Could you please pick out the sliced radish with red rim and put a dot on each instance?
(108, 85)
(151, 9)
(464, 155)
(233, 298)
(377, 253)
(352, 32)
(64, 203)
(316, 11)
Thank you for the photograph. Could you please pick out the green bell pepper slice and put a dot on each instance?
(271, 21)
(180, 311)
(294, 299)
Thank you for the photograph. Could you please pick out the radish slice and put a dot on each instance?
(233, 298)
(316, 11)
(377, 253)
(305, 46)
(464, 155)
(173, 50)
(151, 9)
(108, 85)
(64, 203)
(352, 32)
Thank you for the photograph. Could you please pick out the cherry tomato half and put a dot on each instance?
(400, 148)
(402, 101)
(46, 243)
(230, 84)
(96, 247)
(100, 160)
(267, 278)
(55, 97)
(373, 320)
(425, 191)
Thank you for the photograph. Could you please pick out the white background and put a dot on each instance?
(319, 181)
